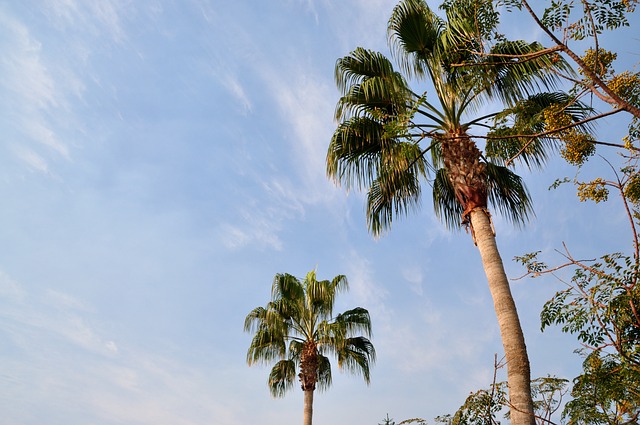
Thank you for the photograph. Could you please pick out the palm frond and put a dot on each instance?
(396, 191)
(354, 152)
(354, 321)
(446, 206)
(282, 377)
(267, 344)
(323, 376)
(369, 84)
(472, 20)
(362, 65)
(414, 32)
(340, 283)
(287, 287)
(508, 194)
(320, 296)
(356, 356)
(254, 318)
(516, 69)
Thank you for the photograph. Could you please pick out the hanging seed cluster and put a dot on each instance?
(578, 147)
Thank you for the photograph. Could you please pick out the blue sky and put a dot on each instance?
(161, 161)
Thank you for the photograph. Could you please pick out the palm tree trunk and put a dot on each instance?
(518, 368)
(308, 407)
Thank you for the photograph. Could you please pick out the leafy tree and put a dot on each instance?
(484, 406)
(297, 329)
(580, 23)
(601, 306)
(387, 129)
(588, 19)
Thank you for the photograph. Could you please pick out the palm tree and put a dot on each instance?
(297, 329)
(386, 130)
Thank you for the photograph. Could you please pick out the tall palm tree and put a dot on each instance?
(297, 329)
(386, 130)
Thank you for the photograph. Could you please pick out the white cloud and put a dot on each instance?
(364, 289)
(236, 89)
(254, 229)
(65, 358)
(33, 95)
(306, 101)
(10, 289)
(33, 160)
(93, 17)
(413, 275)
(64, 301)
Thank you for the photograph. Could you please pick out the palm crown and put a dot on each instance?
(386, 128)
(298, 330)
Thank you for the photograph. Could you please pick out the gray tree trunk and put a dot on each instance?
(518, 368)
(308, 407)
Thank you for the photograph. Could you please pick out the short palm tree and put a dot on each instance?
(386, 130)
(298, 330)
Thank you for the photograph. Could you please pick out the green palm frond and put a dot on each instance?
(295, 350)
(324, 373)
(254, 318)
(446, 206)
(363, 65)
(479, 19)
(356, 356)
(508, 194)
(320, 296)
(395, 192)
(354, 321)
(414, 33)
(267, 344)
(287, 287)
(340, 283)
(516, 69)
(282, 377)
(374, 87)
(354, 152)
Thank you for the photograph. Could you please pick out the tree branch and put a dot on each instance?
(614, 98)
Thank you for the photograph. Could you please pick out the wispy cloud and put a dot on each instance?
(306, 101)
(234, 86)
(67, 358)
(33, 94)
(94, 17)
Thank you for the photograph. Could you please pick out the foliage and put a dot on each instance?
(598, 75)
(485, 406)
(298, 330)
(607, 392)
(387, 128)
(388, 421)
(480, 407)
(601, 306)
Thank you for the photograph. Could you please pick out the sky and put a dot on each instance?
(162, 160)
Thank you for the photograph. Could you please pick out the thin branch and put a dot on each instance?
(521, 58)
(557, 130)
(628, 211)
(614, 98)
